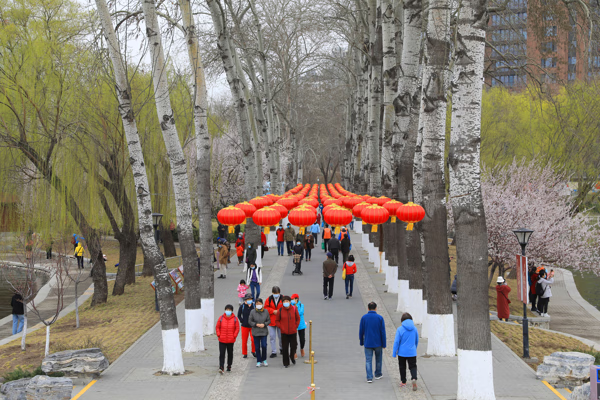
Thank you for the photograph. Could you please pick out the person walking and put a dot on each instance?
(502, 301)
(372, 336)
(300, 237)
(329, 270)
(79, 252)
(223, 260)
(318, 219)
(302, 326)
(309, 244)
(240, 241)
(221, 231)
(263, 244)
(345, 247)
(273, 306)
(250, 256)
(280, 232)
(349, 270)
(244, 316)
(288, 320)
(533, 279)
(228, 328)
(259, 320)
(239, 251)
(405, 348)
(254, 277)
(453, 288)
(334, 248)
(241, 289)
(326, 236)
(18, 313)
(544, 282)
(315, 229)
(298, 256)
(289, 236)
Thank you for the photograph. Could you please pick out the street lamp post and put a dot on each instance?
(523, 236)
(156, 217)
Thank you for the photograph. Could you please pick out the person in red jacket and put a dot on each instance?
(228, 328)
(280, 240)
(273, 306)
(502, 301)
(288, 320)
(263, 244)
(350, 269)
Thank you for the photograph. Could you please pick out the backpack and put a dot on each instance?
(539, 289)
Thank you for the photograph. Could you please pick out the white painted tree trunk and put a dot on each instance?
(24, 334)
(168, 315)
(193, 330)
(47, 348)
(474, 338)
(208, 316)
(403, 295)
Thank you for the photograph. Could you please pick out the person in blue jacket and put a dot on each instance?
(372, 337)
(405, 348)
(302, 326)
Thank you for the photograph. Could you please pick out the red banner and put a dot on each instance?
(522, 281)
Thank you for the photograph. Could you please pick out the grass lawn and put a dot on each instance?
(113, 327)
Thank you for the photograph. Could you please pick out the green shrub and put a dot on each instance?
(19, 373)
(592, 352)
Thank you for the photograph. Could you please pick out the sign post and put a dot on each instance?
(523, 288)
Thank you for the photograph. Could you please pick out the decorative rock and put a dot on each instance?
(15, 390)
(84, 361)
(581, 392)
(43, 387)
(565, 368)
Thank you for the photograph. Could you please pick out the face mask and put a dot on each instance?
(286, 304)
(228, 312)
(249, 246)
(294, 302)
(259, 306)
(280, 227)
(249, 302)
(276, 296)
(298, 243)
(253, 267)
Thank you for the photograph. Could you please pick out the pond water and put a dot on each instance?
(588, 285)
(6, 291)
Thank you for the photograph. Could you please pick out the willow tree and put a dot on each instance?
(474, 338)
(181, 187)
(173, 360)
(433, 116)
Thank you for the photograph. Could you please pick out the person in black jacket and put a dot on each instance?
(250, 256)
(345, 247)
(334, 248)
(244, 315)
(222, 231)
(298, 256)
(18, 313)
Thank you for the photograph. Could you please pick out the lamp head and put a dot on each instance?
(156, 217)
(523, 235)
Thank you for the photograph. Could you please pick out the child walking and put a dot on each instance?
(405, 348)
(241, 289)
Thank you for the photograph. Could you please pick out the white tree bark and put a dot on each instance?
(474, 338)
(168, 315)
(194, 340)
(390, 84)
(375, 93)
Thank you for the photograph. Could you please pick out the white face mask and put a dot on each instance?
(259, 306)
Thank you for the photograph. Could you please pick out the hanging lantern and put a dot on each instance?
(266, 217)
(410, 213)
(283, 212)
(247, 208)
(231, 216)
(260, 202)
(310, 201)
(338, 217)
(380, 201)
(374, 215)
(357, 209)
(392, 207)
(332, 201)
(302, 217)
(350, 202)
(288, 202)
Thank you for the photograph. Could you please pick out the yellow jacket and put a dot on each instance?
(79, 249)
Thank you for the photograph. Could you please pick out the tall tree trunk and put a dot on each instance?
(375, 94)
(197, 319)
(179, 174)
(173, 360)
(168, 241)
(350, 117)
(390, 85)
(474, 339)
(439, 306)
(235, 86)
(129, 261)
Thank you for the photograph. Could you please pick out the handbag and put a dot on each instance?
(344, 274)
(322, 245)
(266, 248)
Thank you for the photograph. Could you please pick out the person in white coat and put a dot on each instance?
(544, 298)
(254, 279)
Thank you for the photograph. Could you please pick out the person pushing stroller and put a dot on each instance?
(298, 251)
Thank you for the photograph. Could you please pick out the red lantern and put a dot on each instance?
(288, 202)
(310, 201)
(337, 217)
(392, 207)
(332, 201)
(350, 202)
(410, 213)
(247, 208)
(260, 202)
(374, 215)
(357, 209)
(231, 216)
(283, 212)
(302, 217)
(266, 217)
(380, 201)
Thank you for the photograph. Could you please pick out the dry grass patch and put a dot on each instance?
(113, 327)
(541, 343)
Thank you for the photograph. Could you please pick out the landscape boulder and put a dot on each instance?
(581, 392)
(15, 390)
(565, 368)
(76, 362)
(42, 387)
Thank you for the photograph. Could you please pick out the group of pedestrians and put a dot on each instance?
(540, 289)
(281, 318)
